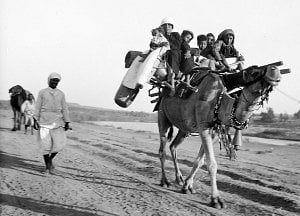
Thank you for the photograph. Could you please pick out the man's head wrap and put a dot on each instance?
(54, 75)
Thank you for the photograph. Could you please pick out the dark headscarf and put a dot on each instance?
(201, 38)
(185, 32)
(226, 32)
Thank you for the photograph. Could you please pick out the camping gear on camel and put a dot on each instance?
(125, 96)
(233, 62)
(130, 56)
(140, 72)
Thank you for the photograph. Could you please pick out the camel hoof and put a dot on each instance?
(164, 184)
(179, 182)
(217, 203)
(185, 191)
(192, 190)
(188, 190)
(46, 172)
(53, 172)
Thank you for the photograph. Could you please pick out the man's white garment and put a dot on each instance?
(51, 111)
(51, 139)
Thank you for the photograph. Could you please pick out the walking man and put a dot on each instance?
(52, 120)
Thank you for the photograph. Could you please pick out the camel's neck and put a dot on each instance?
(245, 107)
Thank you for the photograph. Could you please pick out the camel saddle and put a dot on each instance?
(184, 92)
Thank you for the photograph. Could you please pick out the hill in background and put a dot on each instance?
(79, 113)
(86, 113)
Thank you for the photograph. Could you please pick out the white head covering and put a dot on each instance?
(53, 76)
(167, 20)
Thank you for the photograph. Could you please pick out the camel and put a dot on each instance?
(200, 113)
(17, 97)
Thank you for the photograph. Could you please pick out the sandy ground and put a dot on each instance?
(113, 171)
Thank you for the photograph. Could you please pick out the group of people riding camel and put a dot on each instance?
(181, 58)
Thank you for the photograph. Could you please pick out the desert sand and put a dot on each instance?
(113, 171)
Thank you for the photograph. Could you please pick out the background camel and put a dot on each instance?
(200, 113)
(17, 97)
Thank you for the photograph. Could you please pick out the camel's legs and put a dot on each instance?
(15, 120)
(211, 161)
(19, 119)
(173, 148)
(188, 185)
(207, 148)
(212, 167)
(162, 156)
(26, 129)
(163, 126)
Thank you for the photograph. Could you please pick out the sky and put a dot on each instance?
(86, 42)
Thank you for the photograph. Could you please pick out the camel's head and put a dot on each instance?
(273, 75)
(261, 82)
(15, 90)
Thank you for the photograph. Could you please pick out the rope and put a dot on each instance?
(285, 94)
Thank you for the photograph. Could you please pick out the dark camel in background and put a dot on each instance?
(17, 98)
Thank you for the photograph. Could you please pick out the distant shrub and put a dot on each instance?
(140, 131)
(268, 116)
(265, 151)
(283, 117)
(297, 115)
(275, 132)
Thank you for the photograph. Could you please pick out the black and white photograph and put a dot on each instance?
(149, 108)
